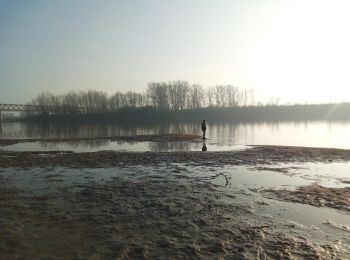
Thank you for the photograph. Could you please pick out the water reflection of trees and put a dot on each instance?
(97, 143)
(85, 144)
(74, 130)
(222, 133)
(173, 146)
(226, 132)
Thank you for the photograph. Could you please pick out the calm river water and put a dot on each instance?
(221, 135)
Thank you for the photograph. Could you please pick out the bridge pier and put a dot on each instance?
(0, 115)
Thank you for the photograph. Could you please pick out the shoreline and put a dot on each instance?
(254, 155)
(134, 138)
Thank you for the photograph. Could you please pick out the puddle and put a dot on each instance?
(330, 175)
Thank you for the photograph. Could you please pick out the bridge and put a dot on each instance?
(27, 108)
(17, 107)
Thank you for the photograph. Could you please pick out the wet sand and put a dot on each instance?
(149, 207)
(143, 215)
(318, 196)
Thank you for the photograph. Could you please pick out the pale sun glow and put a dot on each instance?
(305, 53)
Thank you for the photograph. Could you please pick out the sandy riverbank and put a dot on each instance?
(149, 205)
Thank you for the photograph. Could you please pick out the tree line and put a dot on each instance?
(173, 95)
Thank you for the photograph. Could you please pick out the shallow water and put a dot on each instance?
(126, 206)
(98, 145)
(331, 175)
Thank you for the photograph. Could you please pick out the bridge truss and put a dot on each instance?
(29, 108)
(18, 107)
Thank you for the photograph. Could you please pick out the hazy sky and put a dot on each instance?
(297, 50)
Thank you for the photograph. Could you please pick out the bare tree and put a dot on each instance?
(252, 97)
(44, 101)
(158, 94)
(220, 96)
(196, 96)
(175, 95)
(211, 96)
(232, 95)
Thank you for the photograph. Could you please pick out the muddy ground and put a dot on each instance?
(318, 196)
(151, 208)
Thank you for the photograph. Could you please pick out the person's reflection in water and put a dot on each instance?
(204, 147)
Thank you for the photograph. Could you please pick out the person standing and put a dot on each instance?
(204, 128)
(204, 147)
